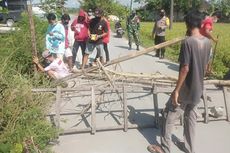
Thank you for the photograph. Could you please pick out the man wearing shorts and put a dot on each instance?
(97, 30)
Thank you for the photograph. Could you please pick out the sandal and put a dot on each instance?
(154, 149)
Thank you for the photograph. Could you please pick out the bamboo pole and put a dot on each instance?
(93, 112)
(129, 56)
(125, 111)
(227, 102)
(32, 33)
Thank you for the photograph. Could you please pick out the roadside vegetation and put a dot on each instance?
(23, 123)
(222, 60)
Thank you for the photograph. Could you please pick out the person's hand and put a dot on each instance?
(35, 60)
(215, 40)
(153, 36)
(94, 37)
(174, 97)
(51, 33)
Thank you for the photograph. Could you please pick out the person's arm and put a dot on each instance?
(154, 29)
(59, 32)
(209, 35)
(105, 30)
(36, 61)
(138, 23)
(184, 59)
(182, 75)
(73, 28)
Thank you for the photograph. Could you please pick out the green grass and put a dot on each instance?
(222, 60)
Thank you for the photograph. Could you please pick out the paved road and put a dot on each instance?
(211, 138)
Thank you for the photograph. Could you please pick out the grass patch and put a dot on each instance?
(221, 62)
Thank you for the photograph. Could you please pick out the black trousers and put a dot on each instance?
(160, 52)
(76, 46)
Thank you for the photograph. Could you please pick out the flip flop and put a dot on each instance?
(154, 149)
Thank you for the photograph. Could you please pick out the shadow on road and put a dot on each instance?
(124, 47)
(136, 117)
(170, 65)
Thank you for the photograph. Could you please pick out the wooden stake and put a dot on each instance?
(227, 102)
(156, 108)
(58, 105)
(32, 32)
(93, 112)
(125, 113)
(206, 117)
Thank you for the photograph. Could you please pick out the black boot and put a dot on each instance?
(138, 47)
(130, 47)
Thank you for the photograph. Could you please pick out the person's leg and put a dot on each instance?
(170, 115)
(105, 45)
(156, 41)
(101, 53)
(136, 39)
(130, 39)
(69, 56)
(89, 49)
(84, 60)
(190, 117)
(162, 50)
(83, 47)
(74, 51)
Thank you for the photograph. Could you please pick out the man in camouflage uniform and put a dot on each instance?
(133, 26)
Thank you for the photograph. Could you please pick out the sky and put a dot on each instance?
(74, 3)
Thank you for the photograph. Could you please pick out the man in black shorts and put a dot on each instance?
(97, 30)
(194, 57)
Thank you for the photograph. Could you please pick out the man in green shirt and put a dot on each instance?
(133, 26)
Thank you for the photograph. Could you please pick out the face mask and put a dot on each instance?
(66, 22)
(81, 19)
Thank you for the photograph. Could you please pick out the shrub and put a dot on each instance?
(23, 123)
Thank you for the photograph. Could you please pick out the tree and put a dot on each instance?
(180, 6)
(221, 5)
(54, 6)
(109, 6)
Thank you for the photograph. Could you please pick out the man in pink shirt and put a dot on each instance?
(206, 30)
(207, 25)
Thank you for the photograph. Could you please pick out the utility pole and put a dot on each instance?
(171, 14)
(193, 4)
(32, 31)
(131, 5)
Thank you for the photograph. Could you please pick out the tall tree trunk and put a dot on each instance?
(171, 14)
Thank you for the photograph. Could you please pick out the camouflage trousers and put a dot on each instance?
(132, 34)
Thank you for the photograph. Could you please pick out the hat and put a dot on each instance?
(45, 54)
(98, 12)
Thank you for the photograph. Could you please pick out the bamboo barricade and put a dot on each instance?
(123, 88)
(129, 56)
(121, 85)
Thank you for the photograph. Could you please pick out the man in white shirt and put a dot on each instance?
(56, 70)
